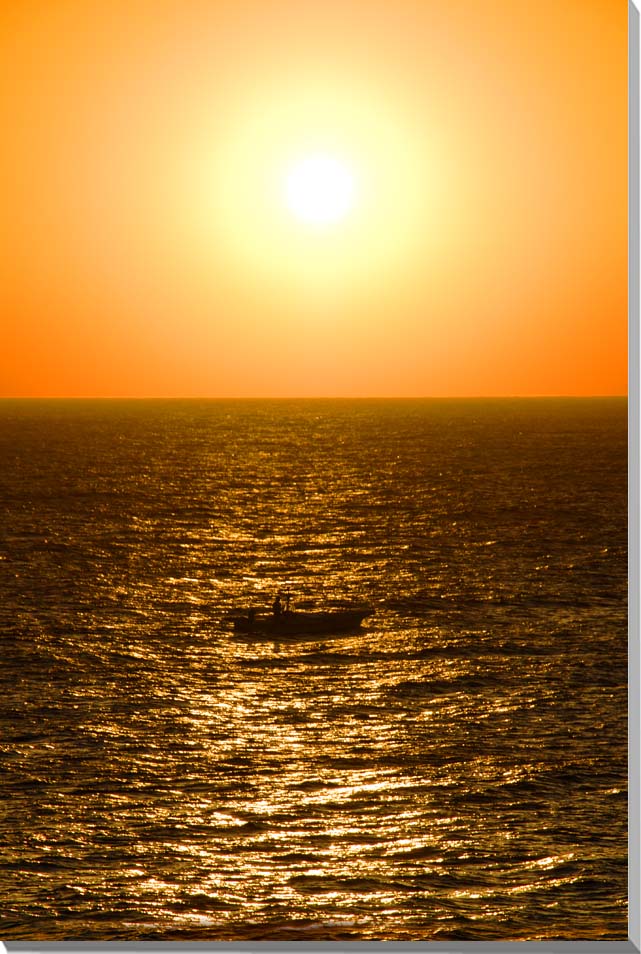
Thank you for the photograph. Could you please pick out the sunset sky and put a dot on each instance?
(266, 198)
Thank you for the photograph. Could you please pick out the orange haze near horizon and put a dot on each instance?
(146, 249)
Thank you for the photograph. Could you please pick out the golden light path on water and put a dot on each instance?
(269, 724)
(455, 769)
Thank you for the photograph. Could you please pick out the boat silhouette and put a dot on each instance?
(299, 623)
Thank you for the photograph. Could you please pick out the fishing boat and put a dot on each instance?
(298, 623)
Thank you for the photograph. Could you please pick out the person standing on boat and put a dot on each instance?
(277, 608)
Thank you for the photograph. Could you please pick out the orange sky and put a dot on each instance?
(145, 249)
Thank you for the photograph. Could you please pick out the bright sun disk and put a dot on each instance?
(319, 190)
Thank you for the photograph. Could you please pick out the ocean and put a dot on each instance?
(454, 769)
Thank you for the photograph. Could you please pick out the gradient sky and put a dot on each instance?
(146, 249)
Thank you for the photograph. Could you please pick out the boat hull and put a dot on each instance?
(301, 624)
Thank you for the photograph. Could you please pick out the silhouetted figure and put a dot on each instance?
(287, 599)
(277, 608)
(251, 615)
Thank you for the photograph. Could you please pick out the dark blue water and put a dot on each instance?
(455, 769)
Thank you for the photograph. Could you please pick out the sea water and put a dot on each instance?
(455, 769)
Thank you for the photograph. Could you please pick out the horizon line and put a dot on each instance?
(317, 397)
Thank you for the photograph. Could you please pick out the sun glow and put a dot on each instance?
(319, 190)
(318, 193)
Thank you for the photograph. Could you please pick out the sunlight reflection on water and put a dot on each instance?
(454, 768)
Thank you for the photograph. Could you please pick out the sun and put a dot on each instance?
(319, 189)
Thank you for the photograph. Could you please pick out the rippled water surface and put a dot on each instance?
(455, 769)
